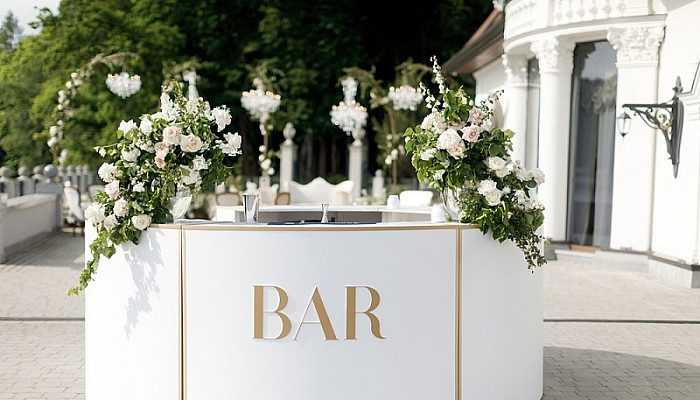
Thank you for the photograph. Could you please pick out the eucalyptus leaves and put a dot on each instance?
(457, 149)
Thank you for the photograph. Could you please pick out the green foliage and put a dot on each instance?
(457, 151)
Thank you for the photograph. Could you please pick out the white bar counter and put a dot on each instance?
(412, 310)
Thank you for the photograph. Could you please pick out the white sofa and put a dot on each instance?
(320, 191)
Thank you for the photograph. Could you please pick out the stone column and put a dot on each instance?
(51, 186)
(637, 82)
(556, 62)
(514, 102)
(288, 157)
(7, 184)
(355, 165)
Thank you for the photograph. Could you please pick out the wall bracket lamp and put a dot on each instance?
(667, 117)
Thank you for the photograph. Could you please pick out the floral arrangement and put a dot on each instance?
(459, 152)
(179, 148)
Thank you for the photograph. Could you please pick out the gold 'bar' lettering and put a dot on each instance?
(351, 312)
(322, 316)
(258, 312)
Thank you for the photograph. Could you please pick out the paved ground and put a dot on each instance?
(608, 334)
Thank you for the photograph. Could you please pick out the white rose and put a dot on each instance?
(222, 118)
(127, 126)
(112, 189)
(496, 163)
(232, 145)
(428, 154)
(487, 185)
(106, 172)
(146, 126)
(110, 222)
(161, 149)
(537, 175)
(471, 133)
(493, 197)
(141, 221)
(95, 213)
(190, 143)
(131, 155)
(121, 208)
(522, 174)
(458, 150)
(200, 162)
(476, 115)
(448, 139)
(139, 187)
(521, 197)
(501, 172)
(159, 161)
(171, 135)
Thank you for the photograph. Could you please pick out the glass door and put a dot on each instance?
(592, 144)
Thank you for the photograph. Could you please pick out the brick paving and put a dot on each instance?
(608, 334)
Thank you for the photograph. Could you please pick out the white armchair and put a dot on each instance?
(321, 191)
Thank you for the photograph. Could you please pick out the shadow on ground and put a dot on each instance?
(571, 373)
(49, 249)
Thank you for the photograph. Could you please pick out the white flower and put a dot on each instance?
(266, 163)
(262, 148)
(521, 197)
(146, 126)
(141, 221)
(471, 133)
(95, 213)
(52, 141)
(448, 139)
(53, 130)
(106, 172)
(388, 160)
(131, 155)
(458, 151)
(222, 118)
(270, 171)
(127, 126)
(521, 173)
(232, 145)
(487, 185)
(496, 163)
(190, 176)
(190, 143)
(161, 149)
(121, 208)
(171, 135)
(476, 115)
(537, 175)
(437, 175)
(138, 187)
(110, 222)
(112, 189)
(428, 154)
(493, 197)
(159, 161)
(395, 154)
(434, 121)
(168, 109)
(200, 162)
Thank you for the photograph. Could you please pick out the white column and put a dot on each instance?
(637, 82)
(288, 157)
(355, 167)
(555, 56)
(515, 103)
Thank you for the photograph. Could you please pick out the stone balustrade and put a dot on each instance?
(25, 181)
(528, 16)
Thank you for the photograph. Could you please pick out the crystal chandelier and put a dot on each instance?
(123, 85)
(405, 97)
(349, 115)
(260, 103)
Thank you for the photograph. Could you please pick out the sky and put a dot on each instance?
(26, 11)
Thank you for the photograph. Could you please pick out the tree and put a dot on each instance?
(10, 32)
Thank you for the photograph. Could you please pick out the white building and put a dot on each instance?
(566, 68)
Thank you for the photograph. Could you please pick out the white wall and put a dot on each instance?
(675, 215)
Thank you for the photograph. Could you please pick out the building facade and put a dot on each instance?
(567, 68)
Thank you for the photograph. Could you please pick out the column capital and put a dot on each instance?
(636, 44)
(515, 67)
(554, 54)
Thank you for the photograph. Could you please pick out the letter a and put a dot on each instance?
(322, 317)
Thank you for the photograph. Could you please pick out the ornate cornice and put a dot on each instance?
(515, 67)
(554, 54)
(636, 44)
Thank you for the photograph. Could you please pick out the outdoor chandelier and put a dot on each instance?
(260, 103)
(349, 116)
(667, 117)
(123, 85)
(405, 97)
